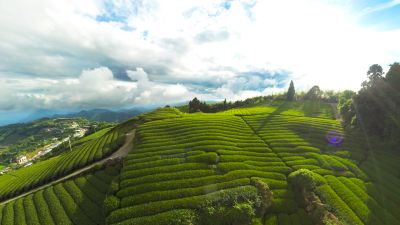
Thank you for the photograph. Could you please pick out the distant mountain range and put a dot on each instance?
(105, 115)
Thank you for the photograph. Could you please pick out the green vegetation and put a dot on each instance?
(290, 96)
(375, 109)
(93, 136)
(76, 201)
(239, 166)
(29, 138)
(179, 162)
(42, 172)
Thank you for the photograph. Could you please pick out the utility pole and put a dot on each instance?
(69, 141)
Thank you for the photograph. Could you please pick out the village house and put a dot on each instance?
(21, 159)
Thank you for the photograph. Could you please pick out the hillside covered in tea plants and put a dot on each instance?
(218, 168)
(280, 163)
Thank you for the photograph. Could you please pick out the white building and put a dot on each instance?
(79, 132)
(22, 159)
(74, 125)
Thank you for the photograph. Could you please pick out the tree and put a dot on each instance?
(374, 75)
(314, 93)
(291, 92)
(194, 105)
(393, 76)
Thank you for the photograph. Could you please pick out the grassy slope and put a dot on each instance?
(27, 178)
(77, 201)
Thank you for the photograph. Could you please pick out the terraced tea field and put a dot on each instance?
(307, 108)
(42, 172)
(180, 163)
(77, 201)
(203, 169)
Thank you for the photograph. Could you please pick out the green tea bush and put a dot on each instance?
(162, 169)
(362, 211)
(173, 217)
(273, 184)
(56, 209)
(303, 162)
(334, 163)
(8, 214)
(42, 208)
(63, 203)
(375, 207)
(238, 214)
(89, 190)
(152, 164)
(181, 193)
(264, 164)
(303, 179)
(308, 167)
(208, 158)
(182, 183)
(31, 214)
(85, 201)
(185, 174)
(111, 203)
(290, 157)
(231, 166)
(238, 194)
(241, 158)
(147, 156)
(340, 208)
(19, 212)
(71, 208)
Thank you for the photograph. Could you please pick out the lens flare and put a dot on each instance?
(334, 138)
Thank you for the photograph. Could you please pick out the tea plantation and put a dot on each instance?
(76, 201)
(42, 172)
(234, 167)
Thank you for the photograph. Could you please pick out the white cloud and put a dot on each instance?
(93, 88)
(170, 48)
(149, 92)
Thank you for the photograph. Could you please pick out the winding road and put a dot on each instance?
(121, 152)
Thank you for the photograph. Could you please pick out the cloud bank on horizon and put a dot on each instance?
(103, 53)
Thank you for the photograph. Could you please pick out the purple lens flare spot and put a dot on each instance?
(334, 138)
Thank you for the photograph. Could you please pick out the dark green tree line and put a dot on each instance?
(375, 109)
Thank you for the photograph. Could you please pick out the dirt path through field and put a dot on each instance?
(121, 152)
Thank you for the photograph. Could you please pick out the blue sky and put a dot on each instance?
(72, 54)
(383, 15)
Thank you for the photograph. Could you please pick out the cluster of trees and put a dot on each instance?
(314, 94)
(375, 109)
(196, 105)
